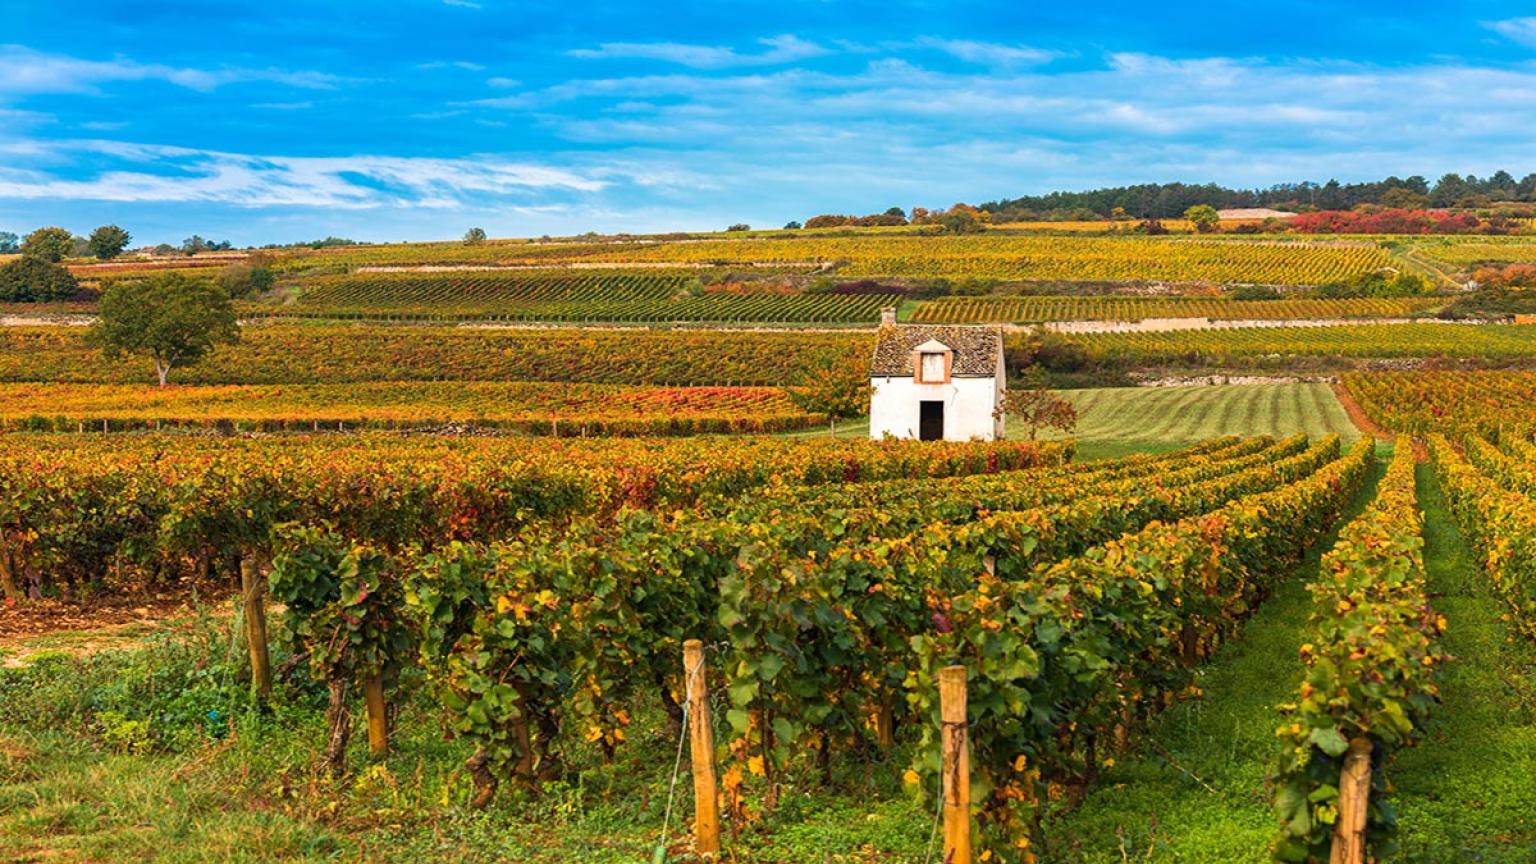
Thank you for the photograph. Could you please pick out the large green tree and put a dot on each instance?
(48, 244)
(172, 319)
(33, 280)
(1204, 217)
(109, 241)
(836, 385)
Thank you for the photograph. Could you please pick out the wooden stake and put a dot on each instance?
(1354, 801)
(957, 766)
(253, 587)
(885, 725)
(701, 739)
(378, 728)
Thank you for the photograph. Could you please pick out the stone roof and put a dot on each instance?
(976, 349)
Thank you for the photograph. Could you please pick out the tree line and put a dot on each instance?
(1171, 200)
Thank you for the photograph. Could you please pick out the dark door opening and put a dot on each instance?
(930, 421)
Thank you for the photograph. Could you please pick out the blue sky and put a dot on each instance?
(388, 121)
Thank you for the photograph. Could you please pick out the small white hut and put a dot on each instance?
(936, 383)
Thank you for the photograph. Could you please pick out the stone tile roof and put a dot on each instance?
(976, 349)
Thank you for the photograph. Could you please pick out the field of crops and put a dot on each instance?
(1466, 252)
(569, 296)
(1032, 257)
(340, 353)
(1277, 346)
(1448, 402)
(538, 408)
(883, 595)
(1028, 310)
(483, 288)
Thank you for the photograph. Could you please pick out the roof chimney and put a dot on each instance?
(888, 316)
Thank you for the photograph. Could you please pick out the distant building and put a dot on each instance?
(936, 383)
(1241, 214)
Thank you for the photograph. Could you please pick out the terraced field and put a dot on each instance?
(563, 297)
(1027, 310)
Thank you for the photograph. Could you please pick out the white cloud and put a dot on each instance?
(25, 71)
(173, 174)
(284, 106)
(457, 64)
(990, 53)
(462, 4)
(1522, 30)
(501, 83)
(782, 49)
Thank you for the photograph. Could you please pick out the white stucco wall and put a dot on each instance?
(968, 404)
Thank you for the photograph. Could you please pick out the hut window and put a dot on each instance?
(933, 368)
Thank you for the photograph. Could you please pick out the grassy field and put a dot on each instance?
(1117, 420)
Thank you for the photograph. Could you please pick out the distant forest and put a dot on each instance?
(1170, 200)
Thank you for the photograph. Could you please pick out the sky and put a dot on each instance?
(416, 119)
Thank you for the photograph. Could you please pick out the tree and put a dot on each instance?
(48, 244)
(1404, 199)
(8, 243)
(1037, 408)
(174, 320)
(474, 235)
(109, 241)
(33, 280)
(1204, 217)
(791, 225)
(958, 221)
(195, 244)
(740, 226)
(246, 279)
(836, 385)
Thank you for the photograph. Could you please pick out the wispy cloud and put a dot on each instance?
(782, 49)
(1521, 30)
(284, 106)
(462, 4)
(990, 53)
(175, 174)
(25, 71)
(455, 64)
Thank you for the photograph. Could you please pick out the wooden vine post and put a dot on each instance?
(253, 589)
(1354, 802)
(957, 766)
(378, 730)
(701, 739)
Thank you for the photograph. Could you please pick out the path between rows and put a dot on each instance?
(1192, 789)
(1467, 792)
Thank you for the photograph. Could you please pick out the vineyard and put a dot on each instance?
(1037, 258)
(537, 408)
(1508, 250)
(1484, 403)
(924, 582)
(1274, 347)
(546, 296)
(1029, 310)
(343, 353)
(475, 288)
